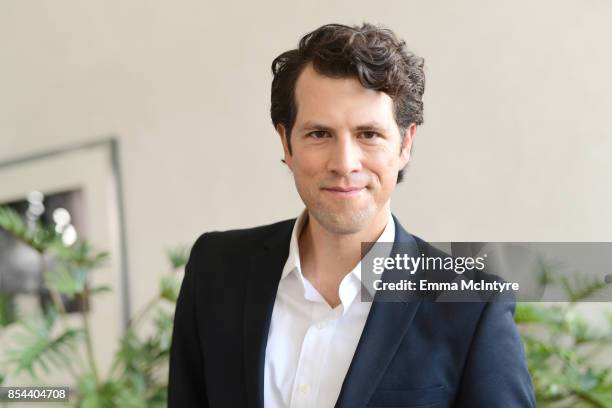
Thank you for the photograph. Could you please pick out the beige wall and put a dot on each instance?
(516, 144)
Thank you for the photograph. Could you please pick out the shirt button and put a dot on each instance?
(304, 388)
(321, 325)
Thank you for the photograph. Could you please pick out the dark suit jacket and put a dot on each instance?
(416, 353)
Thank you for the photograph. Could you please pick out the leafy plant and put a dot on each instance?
(561, 348)
(138, 375)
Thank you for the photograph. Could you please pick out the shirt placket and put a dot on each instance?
(315, 348)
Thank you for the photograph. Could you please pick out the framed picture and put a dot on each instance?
(77, 189)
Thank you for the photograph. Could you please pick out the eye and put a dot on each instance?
(369, 135)
(318, 134)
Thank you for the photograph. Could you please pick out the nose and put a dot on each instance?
(345, 156)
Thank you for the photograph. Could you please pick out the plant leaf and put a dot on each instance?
(100, 289)
(8, 312)
(36, 348)
(178, 256)
(67, 280)
(170, 287)
(584, 288)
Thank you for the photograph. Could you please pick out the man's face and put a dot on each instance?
(346, 151)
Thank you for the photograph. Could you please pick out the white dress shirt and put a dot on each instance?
(310, 344)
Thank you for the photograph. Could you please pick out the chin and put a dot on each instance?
(344, 223)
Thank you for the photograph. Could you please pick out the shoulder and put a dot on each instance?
(447, 271)
(221, 256)
(241, 240)
(428, 249)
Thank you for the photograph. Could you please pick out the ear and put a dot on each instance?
(406, 148)
(280, 129)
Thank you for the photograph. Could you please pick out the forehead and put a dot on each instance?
(339, 101)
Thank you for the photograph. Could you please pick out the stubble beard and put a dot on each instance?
(344, 219)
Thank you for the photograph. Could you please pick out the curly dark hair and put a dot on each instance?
(372, 54)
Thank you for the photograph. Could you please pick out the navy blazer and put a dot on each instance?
(417, 353)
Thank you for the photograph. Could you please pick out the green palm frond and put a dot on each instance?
(8, 311)
(528, 313)
(169, 288)
(100, 289)
(580, 288)
(178, 256)
(79, 254)
(38, 237)
(163, 322)
(11, 221)
(66, 280)
(599, 397)
(546, 269)
(37, 348)
(141, 359)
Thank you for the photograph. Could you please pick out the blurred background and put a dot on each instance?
(149, 121)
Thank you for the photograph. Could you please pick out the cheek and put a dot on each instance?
(384, 163)
(309, 160)
(306, 167)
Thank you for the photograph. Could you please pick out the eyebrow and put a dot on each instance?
(314, 125)
(375, 126)
(371, 126)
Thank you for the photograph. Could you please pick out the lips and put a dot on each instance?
(343, 189)
(344, 192)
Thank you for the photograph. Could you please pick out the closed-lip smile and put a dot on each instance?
(344, 191)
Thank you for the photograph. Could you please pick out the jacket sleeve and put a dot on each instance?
(187, 385)
(495, 373)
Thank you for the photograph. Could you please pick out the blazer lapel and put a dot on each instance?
(264, 274)
(385, 327)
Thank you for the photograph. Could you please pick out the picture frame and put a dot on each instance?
(91, 169)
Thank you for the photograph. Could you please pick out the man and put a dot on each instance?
(272, 316)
